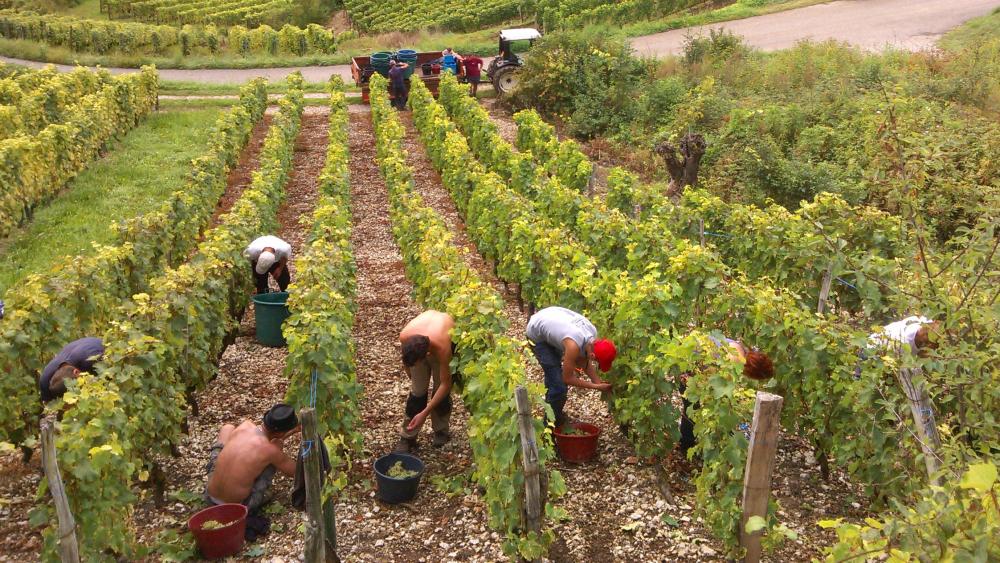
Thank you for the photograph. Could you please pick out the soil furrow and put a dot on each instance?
(434, 526)
(242, 173)
(251, 376)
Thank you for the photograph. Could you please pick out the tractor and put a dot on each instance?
(503, 70)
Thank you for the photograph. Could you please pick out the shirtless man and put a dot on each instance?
(245, 457)
(427, 350)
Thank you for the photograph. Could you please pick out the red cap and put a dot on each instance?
(605, 352)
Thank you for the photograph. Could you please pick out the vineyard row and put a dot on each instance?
(491, 364)
(164, 345)
(85, 293)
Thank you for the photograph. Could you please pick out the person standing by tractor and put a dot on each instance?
(449, 61)
(566, 345)
(473, 72)
(75, 358)
(269, 255)
(398, 89)
(427, 350)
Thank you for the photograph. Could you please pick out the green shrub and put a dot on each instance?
(591, 80)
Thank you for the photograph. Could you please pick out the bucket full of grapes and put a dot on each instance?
(398, 476)
(219, 530)
(577, 442)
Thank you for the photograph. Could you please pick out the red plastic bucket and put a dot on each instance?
(220, 542)
(577, 448)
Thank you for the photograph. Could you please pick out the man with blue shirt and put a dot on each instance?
(75, 358)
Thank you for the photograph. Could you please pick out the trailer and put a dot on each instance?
(361, 70)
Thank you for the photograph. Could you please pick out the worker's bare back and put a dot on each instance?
(435, 325)
(246, 453)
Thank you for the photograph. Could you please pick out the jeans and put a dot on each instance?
(399, 95)
(551, 361)
(687, 425)
(555, 388)
(283, 280)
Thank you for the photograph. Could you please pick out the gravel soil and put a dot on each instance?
(241, 174)
(434, 526)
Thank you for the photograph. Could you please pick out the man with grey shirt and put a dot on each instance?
(566, 345)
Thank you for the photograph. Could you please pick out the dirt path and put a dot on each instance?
(434, 526)
(911, 25)
(250, 378)
(872, 24)
(242, 173)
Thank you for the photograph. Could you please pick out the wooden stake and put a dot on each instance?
(315, 541)
(701, 232)
(923, 419)
(330, 529)
(69, 549)
(529, 459)
(760, 464)
(824, 290)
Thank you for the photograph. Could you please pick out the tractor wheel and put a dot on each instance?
(505, 80)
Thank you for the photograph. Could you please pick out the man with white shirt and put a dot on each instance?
(913, 332)
(566, 346)
(269, 255)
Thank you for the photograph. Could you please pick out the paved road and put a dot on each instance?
(870, 24)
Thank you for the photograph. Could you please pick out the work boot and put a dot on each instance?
(441, 437)
(405, 445)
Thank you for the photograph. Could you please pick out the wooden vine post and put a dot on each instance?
(69, 549)
(529, 459)
(316, 546)
(824, 290)
(760, 464)
(923, 419)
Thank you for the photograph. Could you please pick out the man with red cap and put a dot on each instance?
(566, 344)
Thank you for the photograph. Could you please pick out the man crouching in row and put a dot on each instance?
(245, 458)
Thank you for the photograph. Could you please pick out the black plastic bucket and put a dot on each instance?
(392, 490)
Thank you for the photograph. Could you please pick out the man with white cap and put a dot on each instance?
(269, 255)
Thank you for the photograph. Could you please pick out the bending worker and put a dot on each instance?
(427, 350)
(269, 255)
(245, 458)
(756, 366)
(912, 333)
(566, 343)
(75, 358)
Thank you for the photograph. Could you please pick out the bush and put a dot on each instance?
(591, 80)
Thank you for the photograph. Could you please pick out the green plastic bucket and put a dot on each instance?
(270, 311)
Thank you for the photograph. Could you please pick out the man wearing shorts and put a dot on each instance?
(244, 459)
(473, 72)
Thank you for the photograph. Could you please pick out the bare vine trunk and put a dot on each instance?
(683, 162)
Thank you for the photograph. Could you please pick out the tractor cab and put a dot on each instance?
(502, 70)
